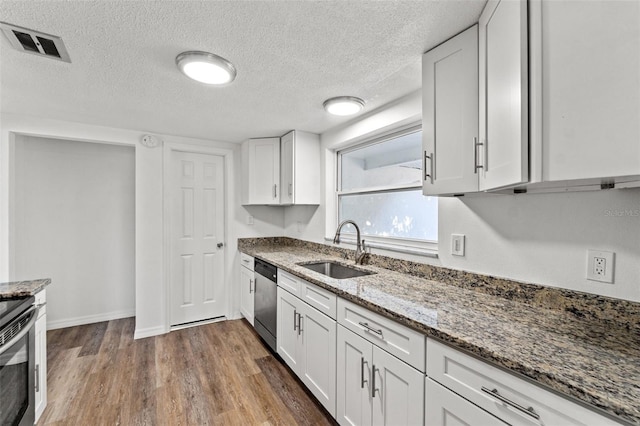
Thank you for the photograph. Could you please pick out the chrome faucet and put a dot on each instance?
(361, 254)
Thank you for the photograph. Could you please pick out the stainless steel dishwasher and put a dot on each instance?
(265, 302)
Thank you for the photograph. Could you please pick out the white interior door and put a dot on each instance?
(197, 237)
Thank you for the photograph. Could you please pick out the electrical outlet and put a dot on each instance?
(600, 266)
(457, 244)
(249, 220)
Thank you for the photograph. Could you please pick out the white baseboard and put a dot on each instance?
(89, 319)
(149, 332)
(235, 315)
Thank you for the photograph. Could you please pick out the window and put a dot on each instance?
(380, 188)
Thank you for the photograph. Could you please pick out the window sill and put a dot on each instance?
(398, 248)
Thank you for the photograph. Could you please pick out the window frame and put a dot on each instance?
(404, 245)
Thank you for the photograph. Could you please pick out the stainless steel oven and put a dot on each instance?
(17, 361)
(265, 302)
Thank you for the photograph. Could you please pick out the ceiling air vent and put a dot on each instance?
(35, 42)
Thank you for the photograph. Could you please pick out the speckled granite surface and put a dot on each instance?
(581, 345)
(22, 288)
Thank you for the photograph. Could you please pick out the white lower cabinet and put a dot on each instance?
(504, 395)
(443, 407)
(375, 387)
(247, 287)
(369, 370)
(41, 354)
(307, 343)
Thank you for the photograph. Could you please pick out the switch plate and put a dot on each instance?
(249, 220)
(457, 244)
(600, 265)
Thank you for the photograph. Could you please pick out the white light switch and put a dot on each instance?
(457, 244)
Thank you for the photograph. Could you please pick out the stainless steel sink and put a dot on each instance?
(335, 270)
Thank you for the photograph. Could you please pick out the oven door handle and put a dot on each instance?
(24, 330)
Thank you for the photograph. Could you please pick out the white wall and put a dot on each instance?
(74, 223)
(539, 239)
(543, 238)
(150, 293)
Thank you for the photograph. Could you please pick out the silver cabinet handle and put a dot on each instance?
(367, 327)
(362, 379)
(528, 411)
(290, 189)
(250, 284)
(373, 381)
(275, 190)
(295, 319)
(424, 165)
(424, 162)
(299, 324)
(476, 146)
(37, 377)
(486, 155)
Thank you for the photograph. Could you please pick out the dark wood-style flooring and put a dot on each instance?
(214, 374)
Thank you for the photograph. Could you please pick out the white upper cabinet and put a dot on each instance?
(475, 105)
(585, 68)
(449, 137)
(282, 171)
(300, 168)
(287, 156)
(503, 68)
(261, 160)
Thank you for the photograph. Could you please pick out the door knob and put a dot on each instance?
(220, 245)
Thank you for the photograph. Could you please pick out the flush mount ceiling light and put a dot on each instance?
(343, 105)
(206, 67)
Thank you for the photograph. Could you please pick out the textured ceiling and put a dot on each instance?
(290, 57)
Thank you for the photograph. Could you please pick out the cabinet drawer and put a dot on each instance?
(321, 299)
(398, 340)
(289, 282)
(246, 261)
(468, 376)
(41, 302)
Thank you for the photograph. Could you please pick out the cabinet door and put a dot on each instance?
(41, 365)
(288, 334)
(287, 166)
(264, 171)
(397, 389)
(247, 287)
(450, 115)
(354, 359)
(445, 408)
(318, 359)
(590, 64)
(503, 94)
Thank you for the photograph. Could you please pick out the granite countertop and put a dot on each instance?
(15, 289)
(581, 357)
